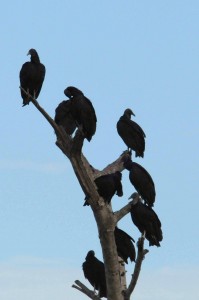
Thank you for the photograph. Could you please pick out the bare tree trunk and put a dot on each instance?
(106, 222)
(106, 226)
(105, 218)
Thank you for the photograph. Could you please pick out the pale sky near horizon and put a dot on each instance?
(138, 54)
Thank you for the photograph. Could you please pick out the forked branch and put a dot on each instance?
(82, 288)
(66, 143)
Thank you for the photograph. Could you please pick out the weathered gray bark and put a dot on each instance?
(140, 257)
(82, 288)
(105, 218)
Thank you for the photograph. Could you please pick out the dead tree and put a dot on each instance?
(106, 219)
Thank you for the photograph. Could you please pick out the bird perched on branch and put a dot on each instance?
(31, 77)
(124, 244)
(82, 111)
(131, 133)
(107, 186)
(142, 181)
(64, 118)
(94, 271)
(146, 221)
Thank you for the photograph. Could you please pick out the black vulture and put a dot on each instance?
(82, 111)
(31, 77)
(131, 133)
(64, 118)
(146, 220)
(108, 185)
(94, 271)
(142, 181)
(124, 243)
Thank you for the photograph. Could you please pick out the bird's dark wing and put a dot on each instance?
(126, 234)
(149, 214)
(64, 117)
(62, 110)
(124, 245)
(26, 74)
(143, 183)
(84, 113)
(31, 79)
(133, 125)
(91, 108)
(136, 127)
(41, 71)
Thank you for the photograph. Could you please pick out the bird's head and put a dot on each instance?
(72, 91)
(90, 254)
(128, 112)
(136, 198)
(32, 52)
(34, 55)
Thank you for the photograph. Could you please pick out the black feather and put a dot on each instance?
(31, 77)
(82, 111)
(124, 244)
(146, 221)
(142, 181)
(131, 133)
(108, 185)
(94, 271)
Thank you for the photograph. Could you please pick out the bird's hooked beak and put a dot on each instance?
(135, 197)
(28, 53)
(128, 112)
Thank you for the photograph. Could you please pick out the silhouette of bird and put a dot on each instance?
(142, 181)
(124, 244)
(146, 221)
(31, 77)
(64, 118)
(107, 186)
(82, 111)
(94, 271)
(131, 133)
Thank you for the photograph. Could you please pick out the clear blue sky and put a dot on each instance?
(138, 54)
